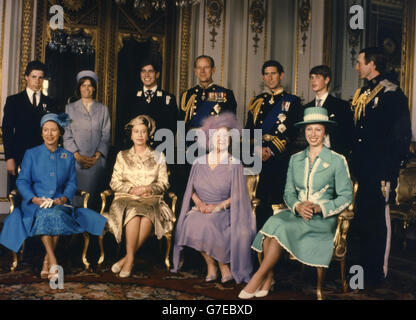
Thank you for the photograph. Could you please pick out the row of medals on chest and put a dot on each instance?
(218, 97)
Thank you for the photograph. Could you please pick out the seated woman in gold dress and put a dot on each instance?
(139, 181)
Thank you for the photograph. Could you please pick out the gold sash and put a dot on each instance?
(360, 101)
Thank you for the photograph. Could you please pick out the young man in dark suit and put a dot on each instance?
(21, 121)
(340, 138)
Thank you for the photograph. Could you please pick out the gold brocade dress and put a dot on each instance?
(132, 170)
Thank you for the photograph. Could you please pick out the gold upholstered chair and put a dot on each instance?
(107, 197)
(15, 200)
(403, 212)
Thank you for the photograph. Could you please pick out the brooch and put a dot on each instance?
(281, 128)
(325, 165)
(64, 156)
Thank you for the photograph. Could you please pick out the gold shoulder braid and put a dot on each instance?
(359, 102)
(254, 107)
(187, 107)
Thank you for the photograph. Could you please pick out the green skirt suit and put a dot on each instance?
(327, 183)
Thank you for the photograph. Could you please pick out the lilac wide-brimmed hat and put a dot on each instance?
(224, 120)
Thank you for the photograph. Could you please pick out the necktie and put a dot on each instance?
(318, 102)
(34, 100)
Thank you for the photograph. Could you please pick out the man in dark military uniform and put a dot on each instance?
(339, 138)
(381, 142)
(154, 102)
(274, 112)
(207, 98)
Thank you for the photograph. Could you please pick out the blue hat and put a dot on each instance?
(87, 73)
(316, 115)
(62, 119)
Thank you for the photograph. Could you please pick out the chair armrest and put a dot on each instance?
(13, 195)
(255, 202)
(85, 195)
(104, 195)
(174, 198)
(340, 239)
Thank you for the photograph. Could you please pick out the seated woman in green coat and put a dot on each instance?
(318, 188)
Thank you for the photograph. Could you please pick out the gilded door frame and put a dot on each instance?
(107, 39)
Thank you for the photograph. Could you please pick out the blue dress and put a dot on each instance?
(50, 175)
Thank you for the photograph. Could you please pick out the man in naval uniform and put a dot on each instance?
(274, 112)
(207, 98)
(154, 102)
(381, 142)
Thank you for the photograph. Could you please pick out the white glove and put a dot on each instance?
(47, 203)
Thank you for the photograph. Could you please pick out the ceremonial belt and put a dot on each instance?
(360, 101)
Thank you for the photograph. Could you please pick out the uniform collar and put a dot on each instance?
(209, 86)
(325, 154)
(153, 89)
(375, 81)
(279, 91)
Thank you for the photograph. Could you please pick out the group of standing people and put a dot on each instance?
(307, 153)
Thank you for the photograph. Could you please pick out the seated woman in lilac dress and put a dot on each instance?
(47, 184)
(216, 217)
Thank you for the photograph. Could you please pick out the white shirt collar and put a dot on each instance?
(323, 98)
(30, 93)
(153, 88)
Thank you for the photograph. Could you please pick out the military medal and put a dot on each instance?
(217, 108)
(148, 99)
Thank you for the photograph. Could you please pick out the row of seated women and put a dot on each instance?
(216, 217)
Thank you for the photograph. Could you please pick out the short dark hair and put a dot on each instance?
(149, 62)
(211, 60)
(272, 63)
(81, 82)
(35, 65)
(322, 70)
(376, 55)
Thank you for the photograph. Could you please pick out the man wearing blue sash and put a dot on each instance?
(207, 98)
(274, 112)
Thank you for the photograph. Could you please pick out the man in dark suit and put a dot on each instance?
(275, 112)
(340, 138)
(160, 105)
(21, 121)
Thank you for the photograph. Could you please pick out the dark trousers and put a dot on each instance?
(271, 188)
(370, 224)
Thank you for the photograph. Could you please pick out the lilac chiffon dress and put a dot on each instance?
(223, 235)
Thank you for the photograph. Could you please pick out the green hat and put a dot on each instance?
(316, 115)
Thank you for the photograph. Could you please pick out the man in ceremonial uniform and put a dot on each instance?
(274, 112)
(339, 138)
(381, 142)
(21, 121)
(207, 98)
(154, 102)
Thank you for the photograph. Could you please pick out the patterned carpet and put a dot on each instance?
(151, 281)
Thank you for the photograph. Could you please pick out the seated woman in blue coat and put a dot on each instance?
(318, 188)
(47, 184)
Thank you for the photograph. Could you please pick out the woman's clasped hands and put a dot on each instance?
(141, 191)
(307, 209)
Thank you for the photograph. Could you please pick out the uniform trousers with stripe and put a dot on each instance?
(372, 221)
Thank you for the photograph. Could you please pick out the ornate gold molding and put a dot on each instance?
(257, 18)
(26, 40)
(185, 48)
(327, 33)
(305, 14)
(215, 10)
(408, 50)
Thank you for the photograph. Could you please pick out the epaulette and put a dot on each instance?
(388, 85)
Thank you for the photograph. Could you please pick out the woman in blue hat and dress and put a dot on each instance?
(318, 188)
(88, 136)
(47, 184)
